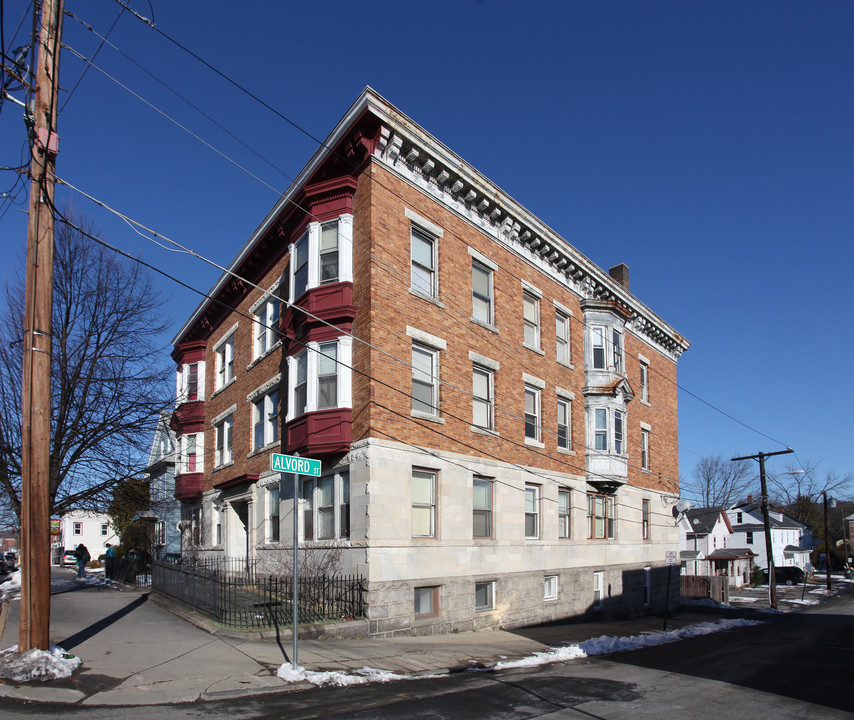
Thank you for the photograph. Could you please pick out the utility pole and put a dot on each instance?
(35, 431)
(826, 542)
(766, 517)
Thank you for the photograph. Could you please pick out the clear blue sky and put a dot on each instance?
(707, 145)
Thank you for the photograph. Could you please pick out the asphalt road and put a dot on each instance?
(795, 666)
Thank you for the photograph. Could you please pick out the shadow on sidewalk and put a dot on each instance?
(89, 632)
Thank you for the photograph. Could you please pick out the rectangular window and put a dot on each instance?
(267, 326)
(531, 319)
(266, 420)
(618, 432)
(483, 596)
(326, 507)
(425, 380)
(224, 437)
(563, 423)
(749, 538)
(600, 517)
(193, 382)
(532, 511)
(160, 532)
(327, 375)
(597, 335)
(601, 429)
(426, 601)
(644, 382)
(481, 293)
(550, 587)
(563, 513)
(598, 589)
(78, 528)
(647, 586)
(301, 384)
(216, 518)
(225, 363)
(645, 449)
(423, 503)
(562, 353)
(645, 519)
(423, 254)
(481, 509)
(300, 265)
(532, 413)
(482, 398)
(617, 340)
(104, 529)
(192, 453)
(329, 252)
(273, 517)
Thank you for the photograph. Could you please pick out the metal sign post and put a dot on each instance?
(670, 559)
(295, 466)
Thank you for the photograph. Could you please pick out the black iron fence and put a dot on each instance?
(133, 568)
(232, 593)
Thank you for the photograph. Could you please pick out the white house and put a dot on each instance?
(708, 546)
(791, 540)
(92, 529)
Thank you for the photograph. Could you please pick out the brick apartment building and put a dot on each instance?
(496, 415)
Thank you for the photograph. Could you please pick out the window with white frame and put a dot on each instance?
(190, 447)
(600, 516)
(160, 532)
(225, 362)
(483, 398)
(600, 429)
(224, 440)
(481, 291)
(78, 528)
(266, 316)
(532, 413)
(564, 512)
(598, 588)
(273, 514)
(597, 342)
(423, 258)
(618, 431)
(617, 350)
(329, 252)
(481, 508)
(562, 349)
(749, 535)
(326, 507)
(644, 449)
(299, 263)
(423, 503)
(265, 419)
(645, 519)
(531, 319)
(564, 415)
(319, 377)
(104, 529)
(550, 587)
(425, 379)
(216, 524)
(192, 382)
(644, 382)
(532, 511)
(484, 596)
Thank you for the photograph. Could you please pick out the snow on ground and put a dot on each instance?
(597, 646)
(37, 664)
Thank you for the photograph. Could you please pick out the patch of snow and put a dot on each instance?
(37, 664)
(733, 598)
(289, 673)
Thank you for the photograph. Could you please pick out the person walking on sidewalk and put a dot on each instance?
(83, 556)
(109, 560)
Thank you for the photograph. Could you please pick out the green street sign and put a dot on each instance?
(294, 464)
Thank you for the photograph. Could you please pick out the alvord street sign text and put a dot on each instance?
(293, 464)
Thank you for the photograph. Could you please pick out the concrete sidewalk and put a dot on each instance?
(137, 652)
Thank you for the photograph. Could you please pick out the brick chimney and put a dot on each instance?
(620, 273)
(750, 498)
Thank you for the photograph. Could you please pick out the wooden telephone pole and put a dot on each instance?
(35, 431)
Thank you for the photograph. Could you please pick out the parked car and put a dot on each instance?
(790, 575)
(68, 559)
(12, 561)
(4, 568)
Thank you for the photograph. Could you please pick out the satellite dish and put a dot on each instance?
(680, 508)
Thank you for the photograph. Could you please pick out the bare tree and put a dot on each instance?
(719, 482)
(109, 377)
(799, 489)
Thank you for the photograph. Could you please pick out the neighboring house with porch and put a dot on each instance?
(708, 546)
(164, 510)
(791, 541)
